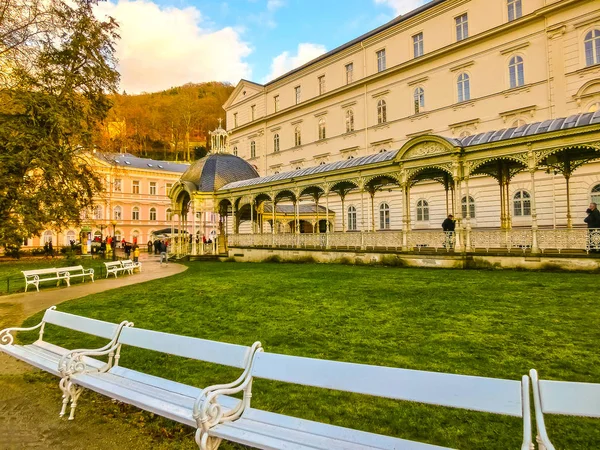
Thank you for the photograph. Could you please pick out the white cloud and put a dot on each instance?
(402, 6)
(272, 5)
(285, 61)
(161, 47)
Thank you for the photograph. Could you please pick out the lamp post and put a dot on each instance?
(113, 244)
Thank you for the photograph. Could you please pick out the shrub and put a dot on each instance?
(230, 259)
(392, 261)
(272, 259)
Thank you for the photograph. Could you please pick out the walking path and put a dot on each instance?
(15, 308)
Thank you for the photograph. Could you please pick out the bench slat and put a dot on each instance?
(52, 270)
(82, 324)
(189, 347)
(458, 391)
(570, 398)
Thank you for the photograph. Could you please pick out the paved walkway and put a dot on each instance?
(15, 308)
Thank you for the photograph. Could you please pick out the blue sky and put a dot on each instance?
(167, 43)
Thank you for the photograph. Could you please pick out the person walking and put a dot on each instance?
(150, 245)
(136, 253)
(593, 223)
(163, 253)
(448, 226)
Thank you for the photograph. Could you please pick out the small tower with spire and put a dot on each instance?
(219, 140)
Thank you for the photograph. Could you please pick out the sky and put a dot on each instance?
(166, 43)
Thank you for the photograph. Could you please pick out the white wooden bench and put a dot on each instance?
(267, 430)
(114, 267)
(76, 272)
(562, 397)
(164, 397)
(38, 276)
(53, 358)
(131, 265)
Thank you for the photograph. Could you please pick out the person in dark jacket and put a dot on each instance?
(593, 223)
(448, 225)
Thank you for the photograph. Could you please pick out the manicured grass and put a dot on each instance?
(12, 280)
(487, 323)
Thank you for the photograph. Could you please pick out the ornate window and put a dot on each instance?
(350, 157)
(464, 134)
(252, 149)
(276, 102)
(419, 100)
(322, 128)
(418, 45)
(516, 72)
(276, 143)
(595, 194)
(471, 207)
(136, 187)
(422, 210)
(152, 213)
(298, 93)
(70, 237)
(351, 218)
(381, 60)
(464, 87)
(522, 204)
(594, 107)
(235, 123)
(518, 123)
(515, 9)
(384, 216)
(117, 213)
(135, 213)
(98, 212)
(47, 237)
(169, 214)
(118, 236)
(235, 151)
(321, 84)
(297, 137)
(462, 27)
(349, 121)
(153, 188)
(381, 111)
(118, 183)
(592, 48)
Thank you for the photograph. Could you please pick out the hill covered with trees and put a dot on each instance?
(170, 125)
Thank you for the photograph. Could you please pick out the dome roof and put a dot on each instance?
(214, 171)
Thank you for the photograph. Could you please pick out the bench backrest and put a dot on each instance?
(570, 398)
(188, 347)
(82, 324)
(70, 269)
(40, 271)
(112, 264)
(458, 391)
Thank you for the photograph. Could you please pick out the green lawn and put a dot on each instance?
(12, 280)
(487, 323)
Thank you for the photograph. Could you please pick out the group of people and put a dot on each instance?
(593, 223)
(160, 247)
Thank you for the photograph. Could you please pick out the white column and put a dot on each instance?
(468, 218)
(194, 248)
(534, 223)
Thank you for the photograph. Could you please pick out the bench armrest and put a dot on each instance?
(6, 337)
(209, 413)
(539, 413)
(72, 362)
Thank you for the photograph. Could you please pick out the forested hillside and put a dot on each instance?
(172, 124)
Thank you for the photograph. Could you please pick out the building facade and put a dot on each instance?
(452, 68)
(133, 205)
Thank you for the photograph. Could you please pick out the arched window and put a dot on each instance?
(515, 9)
(252, 149)
(297, 137)
(383, 150)
(595, 195)
(276, 143)
(117, 213)
(522, 204)
(118, 236)
(381, 111)
(98, 212)
(349, 121)
(384, 216)
(518, 123)
(350, 157)
(594, 107)
(235, 151)
(152, 213)
(97, 235)
(419, 100)
(70, 237)
(47, 238)
(322, 163)
(464, 87)
(351, 218)
(135, 213)
(516, 72)
(464, 134)
(422, 210)
(169, 214)
(322, 129)
(592, 48)
(471, 207)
